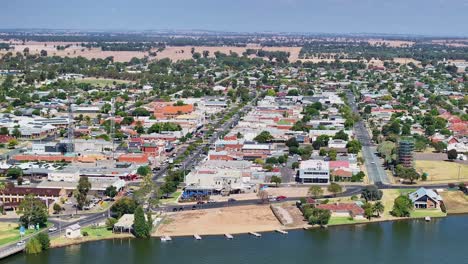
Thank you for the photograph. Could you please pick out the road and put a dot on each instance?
(374, 165)
(62, 226)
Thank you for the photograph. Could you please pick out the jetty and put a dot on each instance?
(228, 236)
(255, 234)
(281, 231)
(197, 237)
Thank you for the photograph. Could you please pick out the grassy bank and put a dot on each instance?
(94, 234)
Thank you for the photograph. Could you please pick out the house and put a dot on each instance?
(314, 171)
(425, 198)
(125, 224)
(344, 210)
(73, 231)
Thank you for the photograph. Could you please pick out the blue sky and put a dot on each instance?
(429, 17)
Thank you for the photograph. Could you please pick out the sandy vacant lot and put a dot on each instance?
(76, 50)
(442, 170)
(455, 201)
(184, 53)
(232, 220)
(285, 191)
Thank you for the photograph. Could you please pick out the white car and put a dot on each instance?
(21, 243)
(53, 229)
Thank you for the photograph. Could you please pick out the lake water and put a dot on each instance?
(414, 241)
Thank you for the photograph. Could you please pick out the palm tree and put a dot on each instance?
(378, 208)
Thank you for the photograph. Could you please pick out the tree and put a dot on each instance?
(16, 133)
(315, 191)
(262, 195)
(452, 154)
(196, 55)
(371, 193)
(33, 246)
(292, 142)
(111, 191)
(378, 208)
(275, 179)
(263, 137)
(125, 205)
(110, 222)
(354, 146)
(341, 135)
(82, 191)
(320, 141)
(149, 222)
(295, 165)
(407, 173)
(57, 208)
(4, 131)
(33, 211)
(402, 206)
(368, 210)
(140, 227)
(44, 240)
(334, 188)
(317, 216)
(14, 173)
(439, 146)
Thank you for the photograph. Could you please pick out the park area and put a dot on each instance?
(93, 233)
(9, 232)
(232, 220)
(442, 171)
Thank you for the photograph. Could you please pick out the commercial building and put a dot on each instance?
(314, 171)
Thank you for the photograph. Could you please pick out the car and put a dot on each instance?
(21, 243)
(194, 207)
(53, 229)
(200, 202)
(280, 198)
(232, 200)
(211, 201)
(372, 162)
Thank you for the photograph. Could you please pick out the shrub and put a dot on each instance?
(44, 240)
(33, 246)
(85, 233)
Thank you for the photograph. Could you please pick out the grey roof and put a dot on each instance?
(421, 192)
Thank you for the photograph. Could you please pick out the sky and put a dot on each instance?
(420, 17)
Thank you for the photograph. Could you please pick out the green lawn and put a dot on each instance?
(9, 232)
(335, 220)
(406, 191)
(97, 231)
(421, 213)
(173, 198)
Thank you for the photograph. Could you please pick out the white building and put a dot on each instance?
(337, 143)
(73, 231)
(65, 175)
(314, 171)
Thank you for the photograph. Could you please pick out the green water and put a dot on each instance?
(414, 242)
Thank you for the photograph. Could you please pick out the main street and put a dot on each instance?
(375, 171)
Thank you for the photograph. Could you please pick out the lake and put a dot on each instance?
(413, 241)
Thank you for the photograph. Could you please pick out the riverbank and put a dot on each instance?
(93, 234)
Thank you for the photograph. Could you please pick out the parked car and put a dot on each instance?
(280, 198)
(232, 200)
(21, 243)
(52, 229)
(211, 201)
(200, 202)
